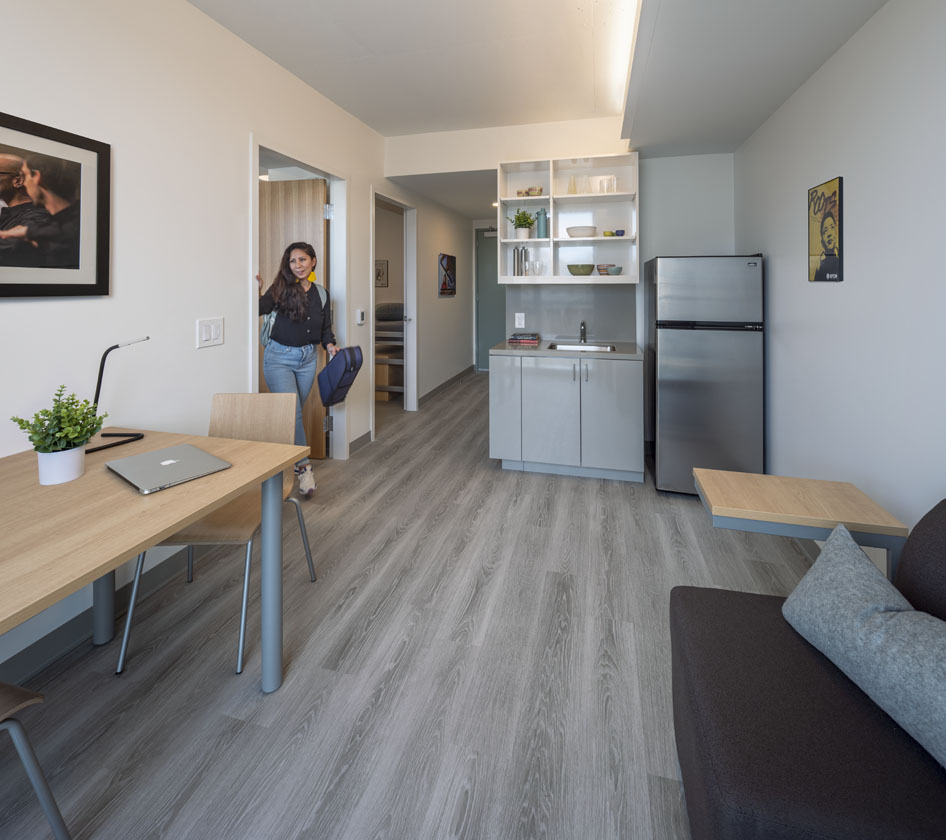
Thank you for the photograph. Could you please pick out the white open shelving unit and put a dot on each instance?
(588, 205)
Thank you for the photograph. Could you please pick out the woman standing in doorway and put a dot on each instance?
(303, 320)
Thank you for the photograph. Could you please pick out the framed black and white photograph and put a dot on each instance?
(380, 273)
(54, 211)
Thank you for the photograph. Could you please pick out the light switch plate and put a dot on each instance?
(520, 320)
(209, 332)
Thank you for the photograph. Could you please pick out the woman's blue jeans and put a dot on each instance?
(291, 370)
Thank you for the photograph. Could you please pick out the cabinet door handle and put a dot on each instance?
(586, 371)
(573, 371)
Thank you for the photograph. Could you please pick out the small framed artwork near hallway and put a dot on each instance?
(824, 233)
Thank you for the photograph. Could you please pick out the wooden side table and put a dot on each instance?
(799, 507)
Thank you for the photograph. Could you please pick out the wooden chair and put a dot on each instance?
(261, 417)
(12, 700)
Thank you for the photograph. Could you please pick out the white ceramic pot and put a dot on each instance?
(60, 467)
(523, 233)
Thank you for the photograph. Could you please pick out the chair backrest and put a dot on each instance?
(921, 572)
(13, 698)
(268, 418)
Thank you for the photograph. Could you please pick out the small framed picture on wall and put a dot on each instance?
(825, 263)
(447, 276)
(380, 274)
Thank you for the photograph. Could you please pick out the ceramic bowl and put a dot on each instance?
(609, 233)
(603, 267)
(581, 269)
(522, 193)
(619, 232)
(535, 190)
(582, 230)
(615, 269)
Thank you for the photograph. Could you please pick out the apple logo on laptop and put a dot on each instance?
(169, 462)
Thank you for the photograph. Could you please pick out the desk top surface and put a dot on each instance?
(56, 539)
(794, 501)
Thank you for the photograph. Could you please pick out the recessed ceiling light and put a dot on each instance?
(495, 204)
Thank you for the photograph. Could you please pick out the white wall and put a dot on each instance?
(181, 101)
(389, 245)
(686, 206)
(855, 369)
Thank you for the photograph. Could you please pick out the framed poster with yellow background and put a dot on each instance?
(824, 233)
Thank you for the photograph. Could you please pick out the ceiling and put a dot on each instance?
(705, 74)
(416, 66)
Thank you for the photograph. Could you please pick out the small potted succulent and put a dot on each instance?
(522, 222)
(59, 435)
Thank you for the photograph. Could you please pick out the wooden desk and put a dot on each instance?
(798, 507)
(56, 539)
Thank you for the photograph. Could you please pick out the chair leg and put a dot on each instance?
(246, 598)
(130, 613)
(190, 564)
(305, 536)
(36, 777)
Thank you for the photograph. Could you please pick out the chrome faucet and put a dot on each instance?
(582, 333)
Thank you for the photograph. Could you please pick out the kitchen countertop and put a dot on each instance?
(625, 350)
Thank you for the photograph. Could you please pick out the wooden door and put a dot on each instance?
(293, 211)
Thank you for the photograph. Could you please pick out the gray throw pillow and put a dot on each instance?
(846, 608)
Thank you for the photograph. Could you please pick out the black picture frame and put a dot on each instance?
(91, 276)
(825, 232)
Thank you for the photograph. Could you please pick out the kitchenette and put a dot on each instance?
(566, 389)
(574, 390)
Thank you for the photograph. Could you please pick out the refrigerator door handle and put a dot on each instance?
(573, 371)
(586, 371)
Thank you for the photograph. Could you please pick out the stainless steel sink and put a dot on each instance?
(591, 348)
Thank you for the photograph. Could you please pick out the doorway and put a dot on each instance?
(389, 311)
(293, 203)
(490, 297)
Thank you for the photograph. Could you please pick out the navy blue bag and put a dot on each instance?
(338, 375)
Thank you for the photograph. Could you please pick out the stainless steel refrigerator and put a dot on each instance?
(705, 366)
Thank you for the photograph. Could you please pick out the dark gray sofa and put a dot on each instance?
(775, 742)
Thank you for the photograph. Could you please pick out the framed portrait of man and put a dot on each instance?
(825, 263)
(54, 211)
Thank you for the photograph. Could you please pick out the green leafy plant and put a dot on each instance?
(67, 425)
(522, 219)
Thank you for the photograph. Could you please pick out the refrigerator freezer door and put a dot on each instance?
(709, 404)
(727, 289)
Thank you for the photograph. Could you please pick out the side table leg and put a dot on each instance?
(271, 583)
(103, 609)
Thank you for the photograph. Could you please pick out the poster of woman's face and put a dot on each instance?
(824, 232)
(53, 211)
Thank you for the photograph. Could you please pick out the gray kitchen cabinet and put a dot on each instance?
(612, 415)
(505, 408)
(551, 411)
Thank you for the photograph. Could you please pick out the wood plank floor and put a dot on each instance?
(484, 655)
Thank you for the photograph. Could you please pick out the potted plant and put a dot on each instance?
(59, 435)
(522, 222)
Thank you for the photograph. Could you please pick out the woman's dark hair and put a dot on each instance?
(287, 293)
(56, 175)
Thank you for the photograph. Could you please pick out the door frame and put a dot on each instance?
(410, 300)
(337, 248)
(485, 225)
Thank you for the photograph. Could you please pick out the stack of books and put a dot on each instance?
(523, 340)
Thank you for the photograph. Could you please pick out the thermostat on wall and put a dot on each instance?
(359, 316)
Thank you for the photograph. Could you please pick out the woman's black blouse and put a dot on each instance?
(314, 329)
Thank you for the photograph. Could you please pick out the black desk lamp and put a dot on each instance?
(126, 437)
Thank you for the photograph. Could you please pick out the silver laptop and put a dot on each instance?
(162, 468)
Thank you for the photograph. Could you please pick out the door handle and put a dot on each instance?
(586, 371)
(406, 318)
(573, 371)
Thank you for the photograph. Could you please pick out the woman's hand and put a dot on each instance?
(18, 232)
(332, 350)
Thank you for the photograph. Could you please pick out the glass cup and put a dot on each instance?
(536, 267)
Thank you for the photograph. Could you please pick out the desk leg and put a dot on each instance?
(103, 609)
(271, 583)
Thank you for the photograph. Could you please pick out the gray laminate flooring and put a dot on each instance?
(484, 655)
